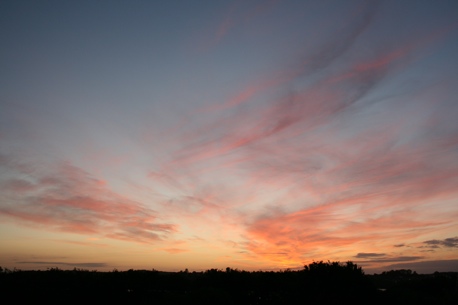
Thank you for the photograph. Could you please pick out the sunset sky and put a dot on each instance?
(259, 135)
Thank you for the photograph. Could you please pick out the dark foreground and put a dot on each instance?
(317, 283)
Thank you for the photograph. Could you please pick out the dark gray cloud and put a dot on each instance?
(425, 267)
(369, 255)
(79, 265)
(392, 259)
(451, 242)
(399, 245)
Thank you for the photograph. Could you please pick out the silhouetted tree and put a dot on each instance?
(317, 283)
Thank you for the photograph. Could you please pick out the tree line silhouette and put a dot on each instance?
(317, 283)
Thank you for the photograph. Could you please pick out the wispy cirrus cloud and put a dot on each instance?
(239, 13)
(327, 232)
(175, 250)
(356, 157)
(65, 198)
(338, 91)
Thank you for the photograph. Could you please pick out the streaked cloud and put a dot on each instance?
(351, 161)
(451, 242)
(69, 264)
(394, 259)
(238, 13)
(66, 198)
(175, 250)
(369, 255)
(426, 267)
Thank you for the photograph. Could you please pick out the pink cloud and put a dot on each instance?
(363, 186)
(174, 250)
(370, 195)
(90, 243)
(239, 14)
(345, 161)
(301, 236)
(18, 185)
(71, 200)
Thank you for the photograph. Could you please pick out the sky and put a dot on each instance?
(258, 135)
